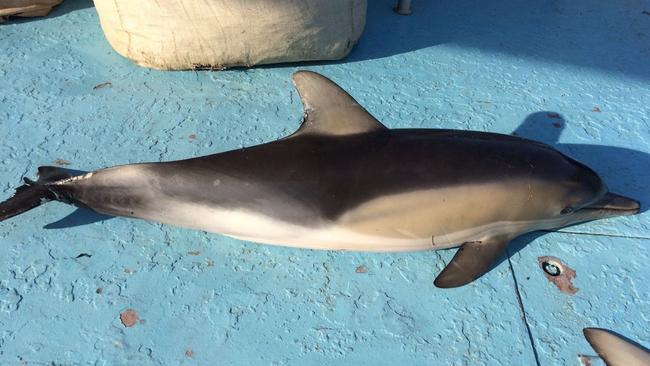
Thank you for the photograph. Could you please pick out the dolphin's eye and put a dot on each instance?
(566, 210)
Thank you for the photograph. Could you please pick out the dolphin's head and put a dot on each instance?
(583, 196)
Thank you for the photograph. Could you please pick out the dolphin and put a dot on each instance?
(615, 350)
(343, 181)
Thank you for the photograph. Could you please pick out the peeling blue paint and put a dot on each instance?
(574, 74)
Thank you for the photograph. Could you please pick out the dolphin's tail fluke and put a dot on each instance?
(34, 193)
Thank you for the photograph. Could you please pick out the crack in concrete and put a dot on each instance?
(598, 234)
(523, 310)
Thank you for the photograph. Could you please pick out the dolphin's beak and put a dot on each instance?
(613, 205)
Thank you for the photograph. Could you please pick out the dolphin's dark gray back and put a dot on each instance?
(319, 177)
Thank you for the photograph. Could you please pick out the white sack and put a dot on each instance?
(187, 34)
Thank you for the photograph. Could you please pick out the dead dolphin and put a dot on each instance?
(344, 181)
(616, 350)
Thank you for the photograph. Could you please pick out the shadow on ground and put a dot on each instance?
(611, 36)
(79, 217)
(625, 171)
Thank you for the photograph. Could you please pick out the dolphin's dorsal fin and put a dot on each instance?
(330, 110)
(471, 261)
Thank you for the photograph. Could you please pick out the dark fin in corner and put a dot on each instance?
(33, 194)
(330, 110)
(616, 350)
(471, 261)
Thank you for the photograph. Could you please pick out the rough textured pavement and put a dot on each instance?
(79, 290)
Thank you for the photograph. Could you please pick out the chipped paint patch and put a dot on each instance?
(558, 273)
(129, 318)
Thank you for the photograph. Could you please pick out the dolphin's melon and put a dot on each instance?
(216, 34)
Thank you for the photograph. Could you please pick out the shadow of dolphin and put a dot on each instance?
(625, 171)
(79, 217)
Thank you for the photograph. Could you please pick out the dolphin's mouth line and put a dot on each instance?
(614, 204)
(621, 211)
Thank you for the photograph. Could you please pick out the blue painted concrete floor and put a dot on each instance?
(571, 73)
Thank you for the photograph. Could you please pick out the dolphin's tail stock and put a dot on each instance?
(34, 193)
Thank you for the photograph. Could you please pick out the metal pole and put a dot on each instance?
(403, 7)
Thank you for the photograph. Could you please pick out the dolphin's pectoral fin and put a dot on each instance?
(330, 110)
(471, 261)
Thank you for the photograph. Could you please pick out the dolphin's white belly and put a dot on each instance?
(421, 220)
(263, 229)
